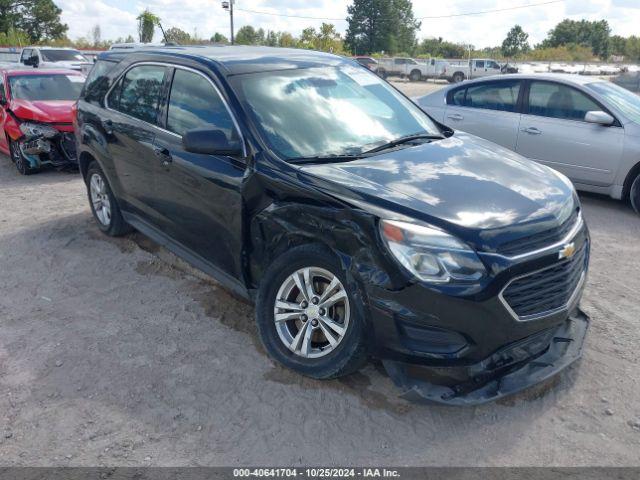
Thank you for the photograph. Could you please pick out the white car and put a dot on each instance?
(49, 57)
(584, 127)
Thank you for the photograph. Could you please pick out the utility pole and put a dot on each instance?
(228, 5)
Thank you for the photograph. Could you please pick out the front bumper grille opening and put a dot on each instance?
(548, 290)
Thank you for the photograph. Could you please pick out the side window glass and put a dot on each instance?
(97, 82)
(3, 95)
(554, 100)
(480, 64)
(502, 96)
(195, 103)
(25, 54)
(139, 92)
(457, 97)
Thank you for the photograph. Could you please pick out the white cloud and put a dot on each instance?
(117, 17)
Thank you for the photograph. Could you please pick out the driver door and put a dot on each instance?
(199, 196)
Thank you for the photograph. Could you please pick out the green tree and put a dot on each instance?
(147, 22)
(39, 19)
(594, 35)
(381, 25)
(308, 39)
(219, 38)
(286, 40)
(328, 39)
(272, 39)
(174, 34)
(248, 35)
(516, 42)
(440, 48)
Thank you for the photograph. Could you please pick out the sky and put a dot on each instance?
(117, 18)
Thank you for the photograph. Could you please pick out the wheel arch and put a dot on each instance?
(631, 176)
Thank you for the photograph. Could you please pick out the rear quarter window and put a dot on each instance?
(98, 82)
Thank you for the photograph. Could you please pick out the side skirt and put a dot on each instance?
(226, 280)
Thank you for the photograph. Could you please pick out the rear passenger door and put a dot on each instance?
(130, 123)
(199, 196)
(487, 109)
(553, 132)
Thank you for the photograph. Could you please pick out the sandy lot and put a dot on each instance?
(113, 352)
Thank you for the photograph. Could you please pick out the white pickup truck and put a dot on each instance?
(49, 57)
(474, 68)
(415, 70)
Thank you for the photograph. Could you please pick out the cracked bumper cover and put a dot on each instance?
(511, 369)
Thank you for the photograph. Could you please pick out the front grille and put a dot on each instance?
(539, 240)
(547, 290)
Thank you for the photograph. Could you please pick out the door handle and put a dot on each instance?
(455, 116)
(532, 131)
(164, 155)
(108, 126)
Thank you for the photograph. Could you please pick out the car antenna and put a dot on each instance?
(164, 35)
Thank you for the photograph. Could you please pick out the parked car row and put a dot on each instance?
(584, 127)
(424, 69)
(358, 225)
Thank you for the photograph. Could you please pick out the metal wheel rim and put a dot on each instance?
(312, 312)
(100, 199)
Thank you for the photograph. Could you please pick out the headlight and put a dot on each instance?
(430, 254)
(31, 130)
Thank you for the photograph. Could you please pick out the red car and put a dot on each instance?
(36, 117)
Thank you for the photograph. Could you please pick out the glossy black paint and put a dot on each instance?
(232, 216)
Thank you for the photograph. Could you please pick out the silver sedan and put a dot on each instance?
(586, 128)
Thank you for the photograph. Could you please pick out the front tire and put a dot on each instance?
(458, 77)
(415, 76)
(634, 194)
(308, 314)
(17, 157)
(103, 203)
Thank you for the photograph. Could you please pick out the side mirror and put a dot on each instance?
(600, 118)
(210, 141)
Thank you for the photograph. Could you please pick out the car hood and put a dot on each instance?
(50, 111)
(460, 183)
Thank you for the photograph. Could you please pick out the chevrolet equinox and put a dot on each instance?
(358, 225)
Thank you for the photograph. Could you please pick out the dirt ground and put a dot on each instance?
(113, 352)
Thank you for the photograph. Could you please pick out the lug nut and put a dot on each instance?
(304, 304)
(314, 323)
(322, 311)
(315, 300)
(304, 318)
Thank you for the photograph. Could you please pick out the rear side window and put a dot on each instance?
(480, 64)
(548, 99)
(195, 103)
(97, 83)
(138, 93)
(502, 96)
(26, 53)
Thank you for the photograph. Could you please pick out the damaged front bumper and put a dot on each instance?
(57, 151)
(511, 369)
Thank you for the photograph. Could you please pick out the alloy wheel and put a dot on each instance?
(100, 199)
(312, 312)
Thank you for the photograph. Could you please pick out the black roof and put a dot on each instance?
(240, 59)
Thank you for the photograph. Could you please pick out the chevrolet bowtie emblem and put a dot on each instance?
(567, 251)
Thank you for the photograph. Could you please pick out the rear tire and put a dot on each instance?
(104, 206)
(300, 339)
(22, 164)
(458, 77)
(415, 76)
(634, 194)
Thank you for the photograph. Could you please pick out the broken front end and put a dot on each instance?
(43, 145)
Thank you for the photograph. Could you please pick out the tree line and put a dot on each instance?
(375, 27)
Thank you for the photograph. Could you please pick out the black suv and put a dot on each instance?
(358, 225)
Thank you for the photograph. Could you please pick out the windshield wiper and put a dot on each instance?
(325, 158)
(405, 139)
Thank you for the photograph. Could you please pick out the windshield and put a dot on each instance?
(46, 87)
(328, 111)
(62, 56)
(625, 101)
